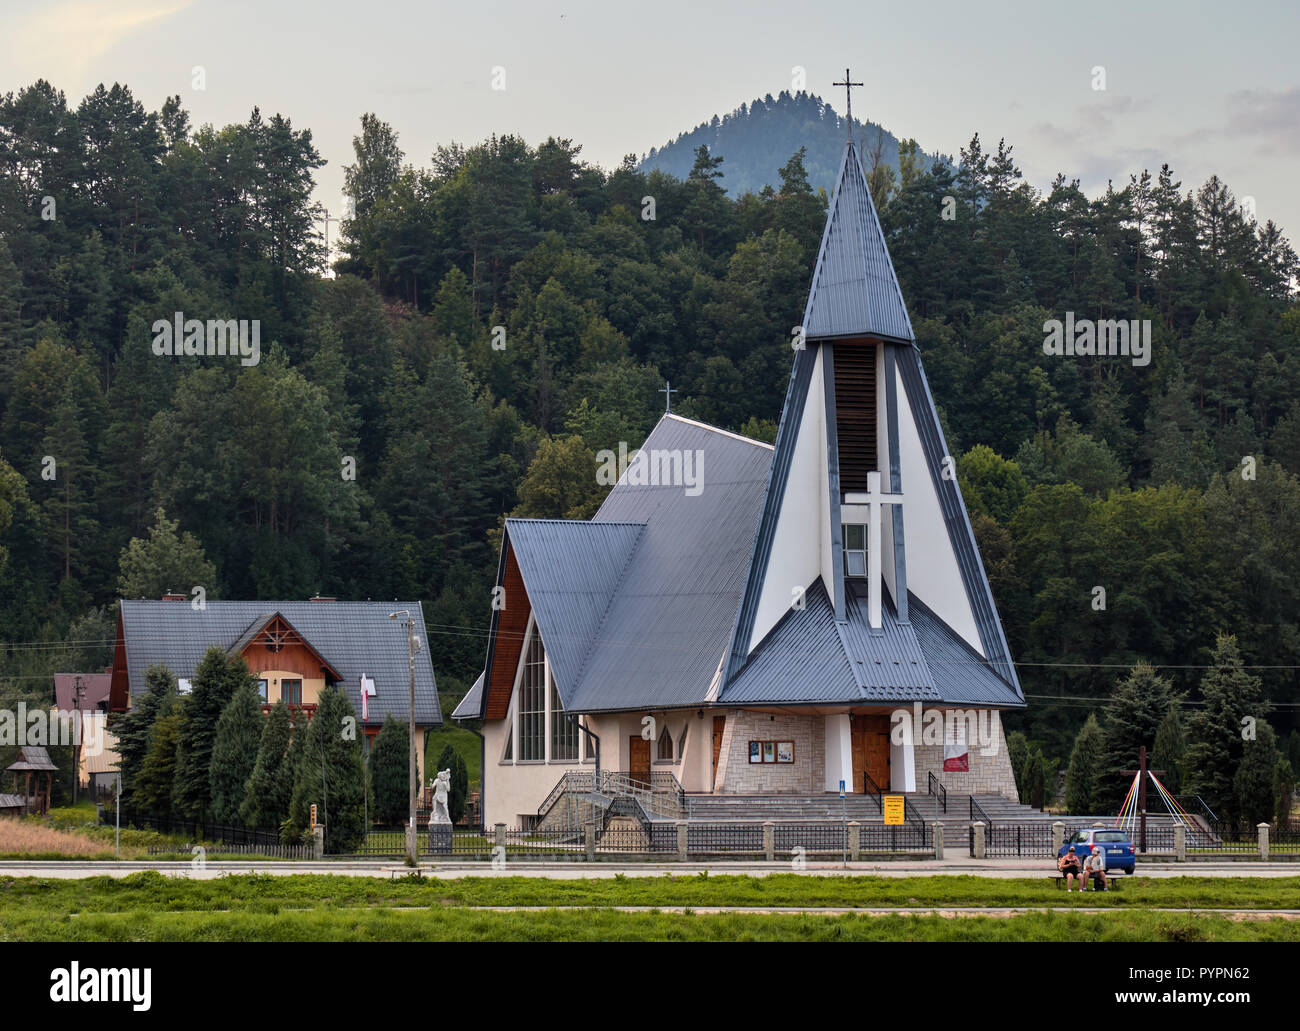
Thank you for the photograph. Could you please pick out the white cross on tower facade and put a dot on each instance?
(874, 499)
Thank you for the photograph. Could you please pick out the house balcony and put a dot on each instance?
(308, 709)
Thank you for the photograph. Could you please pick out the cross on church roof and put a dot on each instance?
(848, 85)
(668, 390)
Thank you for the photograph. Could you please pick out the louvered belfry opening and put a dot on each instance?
(855, 412)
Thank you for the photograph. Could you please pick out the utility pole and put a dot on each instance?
(410, 726)
(1142, 772)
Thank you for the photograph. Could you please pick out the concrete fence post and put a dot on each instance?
(681, 841)
(1058, 836)
(501, 835)
(589, 840)
(1180, 843)
(978, 827)
(938, 841)
(769, 841)
(855, 841)
(318, 842)
(1263, 840)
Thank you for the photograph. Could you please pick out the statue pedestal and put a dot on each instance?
(440, 838)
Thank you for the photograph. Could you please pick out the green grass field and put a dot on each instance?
(151, 907)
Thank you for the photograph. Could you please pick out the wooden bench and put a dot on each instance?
(1112, 879)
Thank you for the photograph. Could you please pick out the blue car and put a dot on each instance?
(1119, 851)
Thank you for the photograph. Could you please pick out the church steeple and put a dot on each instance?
(858, 449)
(854, 290)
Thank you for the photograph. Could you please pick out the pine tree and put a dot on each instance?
(1231, 697)
(329, 773)
(1085, 765)
(234, 752)
(390, 772)
(167, 561)
(266, 795)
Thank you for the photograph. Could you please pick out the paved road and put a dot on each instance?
(580, 871)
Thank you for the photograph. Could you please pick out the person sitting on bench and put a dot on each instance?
(1068, 865)
(1095, 867)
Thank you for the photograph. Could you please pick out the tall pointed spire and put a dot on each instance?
(855, 292)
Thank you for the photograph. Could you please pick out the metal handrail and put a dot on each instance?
(937, 789)
(977, 812)
(870, 787)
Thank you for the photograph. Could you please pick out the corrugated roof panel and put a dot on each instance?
(571, 570)
(671, 618)
(355, 637)
(961, 675)
(470, 707)
(890, 662)
(854, 289)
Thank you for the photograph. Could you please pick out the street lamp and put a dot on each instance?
(410, 724)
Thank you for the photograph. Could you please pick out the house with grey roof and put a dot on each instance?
(294, 648)
(750, 619)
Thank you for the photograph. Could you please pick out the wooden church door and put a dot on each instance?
(638, 759)
(870, 751)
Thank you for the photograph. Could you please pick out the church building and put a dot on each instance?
(752, 620)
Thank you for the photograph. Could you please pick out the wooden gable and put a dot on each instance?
(278, 646)
(510, 626)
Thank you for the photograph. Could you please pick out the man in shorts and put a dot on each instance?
(1095, 867)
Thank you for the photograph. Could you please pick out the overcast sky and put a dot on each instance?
(1205, 87)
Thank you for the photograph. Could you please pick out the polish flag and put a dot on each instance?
(367, 692)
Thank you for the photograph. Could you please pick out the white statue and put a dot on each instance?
(440, 788)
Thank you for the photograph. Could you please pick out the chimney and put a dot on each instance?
(173, 597)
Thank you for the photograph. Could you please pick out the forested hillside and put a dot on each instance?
(502, 311)
(758, 137)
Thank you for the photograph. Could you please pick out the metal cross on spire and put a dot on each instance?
(668, 390)
(848, 85)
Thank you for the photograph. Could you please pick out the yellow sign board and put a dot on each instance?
(893, 805)
(313, 816)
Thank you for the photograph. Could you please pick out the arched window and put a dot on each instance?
(665, 745)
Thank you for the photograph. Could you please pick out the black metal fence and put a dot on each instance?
(237, 836)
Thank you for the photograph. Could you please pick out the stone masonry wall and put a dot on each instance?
(805, 776)
(988, 774)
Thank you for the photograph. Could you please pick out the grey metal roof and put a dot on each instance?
(668, 625)
(12, 801)
(961, 675)
(570, 570)
(354, 637)
(854, 289)
(808, 657)
(955, 518)
(469, 707)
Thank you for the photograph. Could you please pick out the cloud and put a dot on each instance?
(61, 42)
(1270, 117)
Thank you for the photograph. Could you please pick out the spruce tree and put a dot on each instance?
(155, 783)
(1085, 765)
(329, 773)
(1252, 784)
(1283, 793)
(390, 772)
(134, 726)
(234, 752)
(1169, 750)
(1214, 732)
(1134, 713)
(215, 682)
(266, 795)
